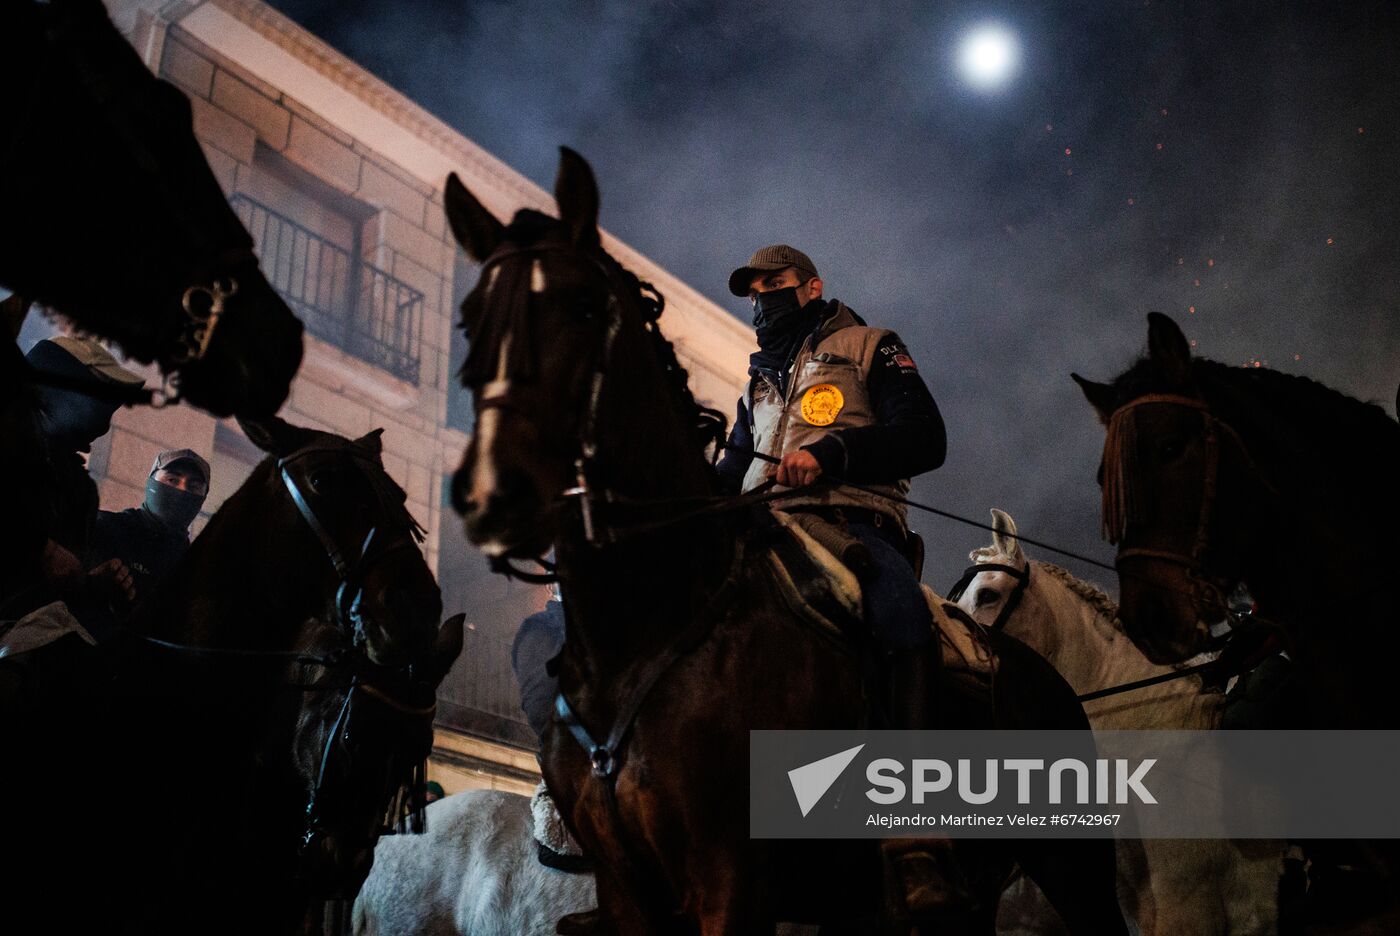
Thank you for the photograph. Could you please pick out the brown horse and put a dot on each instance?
(232, 757)
(1214, 476)
(113, 216)
(587, 438)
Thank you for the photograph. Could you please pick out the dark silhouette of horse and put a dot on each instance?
(1216, 475)
(114, 218)
(588, 438)
(232, 758)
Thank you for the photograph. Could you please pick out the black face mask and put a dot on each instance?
(172, 506)
(778, 318)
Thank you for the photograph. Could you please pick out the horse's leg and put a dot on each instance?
(729, 902)
(1079, 878)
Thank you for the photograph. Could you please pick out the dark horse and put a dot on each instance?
(234, 757)
(1216, 475)
(678, 643)
(113, 217)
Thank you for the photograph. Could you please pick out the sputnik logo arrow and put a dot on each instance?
(811, 781)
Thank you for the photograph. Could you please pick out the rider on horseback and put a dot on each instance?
(833, 398)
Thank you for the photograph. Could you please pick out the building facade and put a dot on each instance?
(339, 178)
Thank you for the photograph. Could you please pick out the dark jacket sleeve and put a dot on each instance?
(736, 459)
(907, 437)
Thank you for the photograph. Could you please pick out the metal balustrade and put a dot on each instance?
(338, 296)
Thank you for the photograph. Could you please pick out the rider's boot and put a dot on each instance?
(924, 871)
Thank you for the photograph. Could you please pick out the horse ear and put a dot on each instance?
(372, 441)
(1004, 535)
(475, 228)
(273, 435)
(1168, 349)
(1100, 396)
(447, 646)
(576, 194)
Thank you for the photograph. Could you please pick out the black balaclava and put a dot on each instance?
(781, 325)
(170, 505)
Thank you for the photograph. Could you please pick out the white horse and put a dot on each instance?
(474, 872)
(1169, 886)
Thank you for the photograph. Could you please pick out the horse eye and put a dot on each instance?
(322, 481)
(986, 596)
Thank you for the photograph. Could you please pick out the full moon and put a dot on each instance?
(988, 56)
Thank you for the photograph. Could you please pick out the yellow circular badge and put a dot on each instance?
(821, 404)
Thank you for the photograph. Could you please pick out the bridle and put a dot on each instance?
(1013, 600)
(367, 678)
(1206, 592)
(585, 490)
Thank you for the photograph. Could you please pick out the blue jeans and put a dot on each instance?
(895, 607)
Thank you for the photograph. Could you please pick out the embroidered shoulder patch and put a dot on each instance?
(905, 362)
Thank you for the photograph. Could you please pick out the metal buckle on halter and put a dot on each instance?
(193, 342)
(584, 494)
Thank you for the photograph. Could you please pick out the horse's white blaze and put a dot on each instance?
(487, 426)
(537, 280)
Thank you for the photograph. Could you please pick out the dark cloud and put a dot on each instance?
(1010, 238)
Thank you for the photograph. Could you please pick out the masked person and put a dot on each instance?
(78, 385)
(837, 400)
(151, 538)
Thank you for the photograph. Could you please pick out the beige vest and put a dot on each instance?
(826, 392)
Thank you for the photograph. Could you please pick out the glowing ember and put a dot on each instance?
(1329, 242)
(1191, 309)
(1049, 128)
(1066, 150)
(1210, 263)
(1159, 145)
(1130, 201)
(1195, 282)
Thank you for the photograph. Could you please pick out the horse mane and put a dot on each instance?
(1093, 596)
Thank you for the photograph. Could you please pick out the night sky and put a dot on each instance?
(1231, 164)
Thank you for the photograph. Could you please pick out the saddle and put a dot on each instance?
(825, 594)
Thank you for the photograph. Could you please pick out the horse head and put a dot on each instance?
(559, 333)
(116, 220)
(988, 589)
(343, 545)
(1170, 471)
(315, 560)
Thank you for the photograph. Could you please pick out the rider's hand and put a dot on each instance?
(114, 577)
(798, 469)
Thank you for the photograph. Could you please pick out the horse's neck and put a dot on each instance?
(1091, 652)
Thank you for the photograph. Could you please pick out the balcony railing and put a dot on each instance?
(339, 297)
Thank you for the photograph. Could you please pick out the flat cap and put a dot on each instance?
(766, 260)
